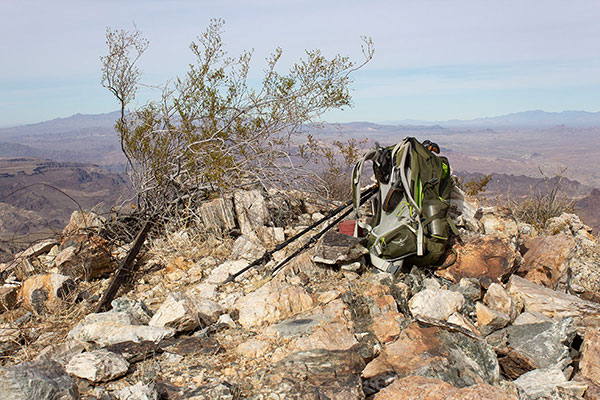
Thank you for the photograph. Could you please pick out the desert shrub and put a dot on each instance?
(474, 186)
(541, 205)
(211, 128)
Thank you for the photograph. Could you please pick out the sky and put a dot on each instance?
(434, 59)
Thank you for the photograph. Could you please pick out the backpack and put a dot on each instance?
(410, 211)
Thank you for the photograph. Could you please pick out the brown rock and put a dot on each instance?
(422, 388)
(333, 336)
(85, 257)
(497, 298)
(8, 297)
(46, 292)
(589, 365)
(487, 258)
(82, 220)
(489, 320)
(387, 328)
(433, 351)
(544, 260)
(380, 301)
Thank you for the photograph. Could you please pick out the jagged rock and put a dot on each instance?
(46, 292)
(136, 308)
(247, 248)
(489, 320)
(178, 312)
(569, 224)
(435, 352)
(98, 366)
(85, 257)
(270, 236)
(553, 304)
(8, 297)
(584, 274)
(315, 375)
(436, 304)
(463, 212)
(487, 258)
(423, 388)
(60, 352)
(464, 322)
(522, 348)
(544, 261)
(273, 302)
(331, 336)
(138, 392)
(251, 210)
(81, 220)
(208, 310)
(379, 300)
(470, 288)
(116, 327)
(217, 215)
(135, 351)
(497, 298)
(589, 365)
(387, 328)
(498, 221)
(37, 249)
(548, 384)
(252, 348)
(37, 380)
(337, 248)
(222, 272)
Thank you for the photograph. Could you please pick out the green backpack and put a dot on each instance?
(410, 222)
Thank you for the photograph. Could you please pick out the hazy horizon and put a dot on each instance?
(435, 60)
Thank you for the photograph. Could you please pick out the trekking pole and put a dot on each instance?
(368, 192)
(318, 235)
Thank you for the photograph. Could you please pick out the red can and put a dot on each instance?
(350, 228)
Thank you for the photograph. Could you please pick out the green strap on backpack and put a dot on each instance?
(410, 212)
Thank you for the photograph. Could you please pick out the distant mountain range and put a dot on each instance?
(526, 119)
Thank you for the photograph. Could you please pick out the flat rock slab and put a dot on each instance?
(589, 365)
(190, 345)
(316, 375)
(549, 383)
(437, 353)
(423, 388)
(337, 248)
(98, 366)
(556, 305)
(135, 351)
(37, 380)
(487, 258)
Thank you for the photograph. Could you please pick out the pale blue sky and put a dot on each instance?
(434, 59)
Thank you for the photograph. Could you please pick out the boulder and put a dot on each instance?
(217, 215)
(589, 366)
(522, 348)
(98, 366)
(251, 210)
(544, 259)
(273, 302)
(437, 304)
(423, 388)
(335, 248)
(437, 353)
(549, 383)
(554, 304)
(46, 292)
(489, 320)
(488, 258)
(314, 375)
(37, 380)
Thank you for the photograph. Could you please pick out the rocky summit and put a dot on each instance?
(514, 316)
